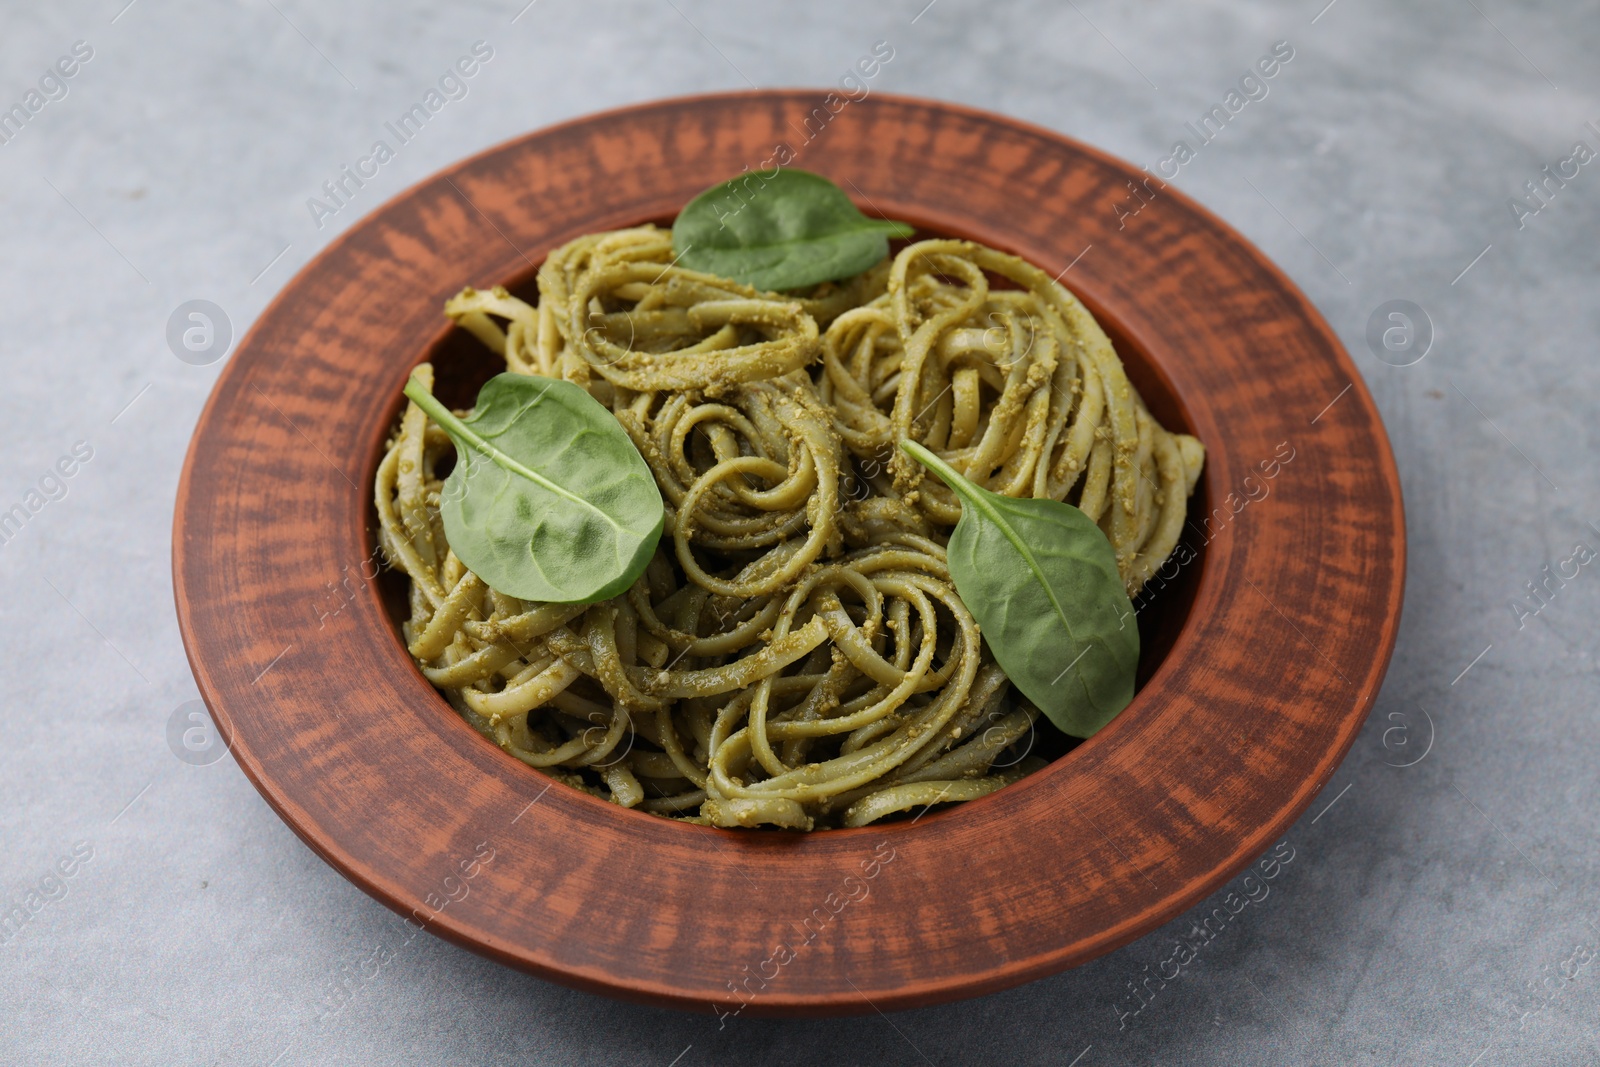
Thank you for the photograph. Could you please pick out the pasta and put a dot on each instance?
(795, 654)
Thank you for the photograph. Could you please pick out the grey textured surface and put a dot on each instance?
(1441, 913)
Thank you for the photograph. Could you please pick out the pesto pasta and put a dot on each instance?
(794, 654)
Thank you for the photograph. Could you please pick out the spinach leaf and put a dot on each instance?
(780, 230)
(1041, 579)
(549, 499)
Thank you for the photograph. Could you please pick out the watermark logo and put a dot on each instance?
(51, 487)
(1408, 742)
(852, 890)
(199, 332)
(1552, 578)
(1553, 981)
(1144, 988)
(1399, 332)
(600, 338)
(193, 737)
(1252, 86)
(342, 188)
(54, 84)
(855, 86)
(1553, 177)
(19, 909)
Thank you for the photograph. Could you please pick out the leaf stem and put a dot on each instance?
(965, 489)
(461, 431)
(435, 410)
(947, 474)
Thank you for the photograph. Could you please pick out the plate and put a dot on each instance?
(1264, 653)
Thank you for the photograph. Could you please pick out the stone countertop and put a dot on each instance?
(1434, 906)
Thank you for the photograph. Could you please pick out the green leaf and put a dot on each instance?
(549, 499)
(781, 230)
(1042, 581)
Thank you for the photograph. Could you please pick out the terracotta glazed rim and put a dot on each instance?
(261, 524)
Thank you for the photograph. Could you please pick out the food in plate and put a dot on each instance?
(802, 553)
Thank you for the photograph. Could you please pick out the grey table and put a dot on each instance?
(1438, 903)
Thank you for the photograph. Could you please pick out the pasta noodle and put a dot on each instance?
(795, 654)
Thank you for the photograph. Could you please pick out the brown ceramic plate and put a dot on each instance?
(1262, 656)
